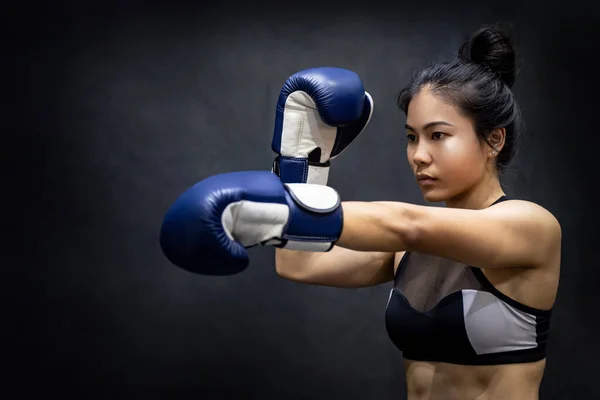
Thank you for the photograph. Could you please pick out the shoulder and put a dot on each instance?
(529, 215)
(525, 209)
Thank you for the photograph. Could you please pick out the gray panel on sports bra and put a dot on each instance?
(493, 326)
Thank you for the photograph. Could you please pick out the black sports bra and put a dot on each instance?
(440, 310)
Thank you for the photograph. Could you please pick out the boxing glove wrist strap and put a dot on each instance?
(301, 170)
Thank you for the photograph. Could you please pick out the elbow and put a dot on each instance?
(284, 269)
(412, 236)
(280, 266)
(281, 271)
(286, 276)
(289, 275)
(405, 228)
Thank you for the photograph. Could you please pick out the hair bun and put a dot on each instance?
(492, 46)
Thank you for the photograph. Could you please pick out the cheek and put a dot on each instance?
(460, 159)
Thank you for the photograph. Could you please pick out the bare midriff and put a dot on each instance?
(442, 381)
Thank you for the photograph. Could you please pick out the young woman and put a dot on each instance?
(475, 282)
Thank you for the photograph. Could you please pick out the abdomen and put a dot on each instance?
(442, 381)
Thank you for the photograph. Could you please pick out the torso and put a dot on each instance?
(434, 380)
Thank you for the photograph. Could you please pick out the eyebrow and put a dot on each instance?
(429, 125)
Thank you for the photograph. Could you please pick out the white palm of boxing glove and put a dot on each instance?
(319, 113)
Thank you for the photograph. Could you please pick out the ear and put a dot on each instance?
(496, 140)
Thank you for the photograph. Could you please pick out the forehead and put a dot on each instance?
(426, 107)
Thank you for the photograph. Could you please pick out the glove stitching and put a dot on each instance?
(311, 239)
(305, 173)
(305, 169)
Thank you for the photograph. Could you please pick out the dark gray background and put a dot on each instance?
(113, 109)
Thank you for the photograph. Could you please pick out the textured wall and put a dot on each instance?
(119, 108)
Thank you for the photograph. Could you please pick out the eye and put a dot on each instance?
(437, 135)
(411, 137)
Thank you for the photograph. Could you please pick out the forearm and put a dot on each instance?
(378, 226)
(339, 267)
(293, 262)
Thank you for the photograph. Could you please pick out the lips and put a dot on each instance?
(425, 179)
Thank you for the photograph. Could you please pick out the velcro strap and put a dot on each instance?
(300, 170)
(315, 216)
(316, 198)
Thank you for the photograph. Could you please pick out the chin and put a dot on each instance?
(435, 196)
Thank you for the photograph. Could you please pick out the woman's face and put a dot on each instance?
(442, 144)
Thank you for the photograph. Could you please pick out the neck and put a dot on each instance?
(480, 196)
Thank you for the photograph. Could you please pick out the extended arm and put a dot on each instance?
(509, 234)
(210, 226)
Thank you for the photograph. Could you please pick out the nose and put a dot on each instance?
(421, 155)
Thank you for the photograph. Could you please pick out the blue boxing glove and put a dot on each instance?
(209, 227)
(320, 111)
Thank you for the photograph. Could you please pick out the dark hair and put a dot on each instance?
(479, 82)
